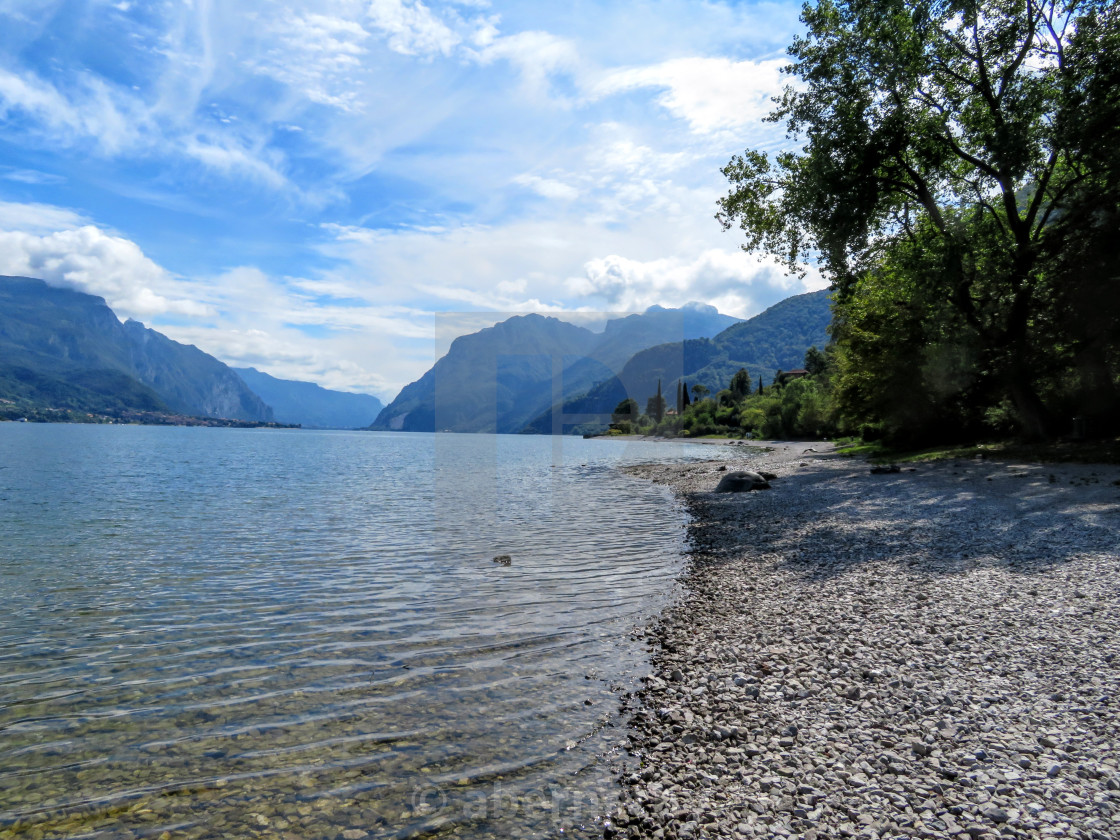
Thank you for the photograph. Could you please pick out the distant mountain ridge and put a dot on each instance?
(500, 378)
(310, 405)
(68, 349)
(773, 340)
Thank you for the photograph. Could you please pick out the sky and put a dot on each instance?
(308, 187)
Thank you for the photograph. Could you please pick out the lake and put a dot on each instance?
(294, 634)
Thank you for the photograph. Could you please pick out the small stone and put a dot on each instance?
(995, 814)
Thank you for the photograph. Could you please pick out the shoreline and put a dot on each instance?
(931, 653)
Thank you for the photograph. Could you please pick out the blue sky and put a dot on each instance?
(307, 187)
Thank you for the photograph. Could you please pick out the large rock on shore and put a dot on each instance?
(742, 482)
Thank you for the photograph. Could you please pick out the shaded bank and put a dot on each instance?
(920, 654)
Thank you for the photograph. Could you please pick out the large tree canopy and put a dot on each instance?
(981, 137)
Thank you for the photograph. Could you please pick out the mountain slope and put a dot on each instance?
(775, 339)
(310, 405)
(498, 379)
(623, 337)
(189, 380)
(62, 345)
(489, 381)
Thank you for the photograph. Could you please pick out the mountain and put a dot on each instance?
(67, 349)
(773, 340)
(500, 378)
(489, 381)
(309, 405)
(623, 337)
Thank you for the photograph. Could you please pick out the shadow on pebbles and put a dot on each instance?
(930, 653)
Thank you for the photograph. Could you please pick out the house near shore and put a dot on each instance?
(789, 375)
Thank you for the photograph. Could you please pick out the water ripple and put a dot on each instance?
(218, 633)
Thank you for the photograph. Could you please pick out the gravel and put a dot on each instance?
(929, 653)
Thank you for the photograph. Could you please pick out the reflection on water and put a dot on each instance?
(218, 633)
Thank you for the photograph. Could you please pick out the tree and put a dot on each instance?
(699, 392)
(684, 393)
(741, 384)
(956, 124)
(760, 391)
(815, 361)
(625, 411)
(655, 405)
(906, 367)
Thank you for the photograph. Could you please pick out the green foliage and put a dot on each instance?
(625, 411)
(777, 337)
(656, 406)
(815, 361)
(803, 408)
(907, 365)
(958, 179)
(741, 383)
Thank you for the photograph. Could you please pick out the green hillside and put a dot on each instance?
(773, 340)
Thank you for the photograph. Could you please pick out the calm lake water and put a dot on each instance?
(296, 634)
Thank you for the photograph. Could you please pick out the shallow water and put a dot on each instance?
(268, 633)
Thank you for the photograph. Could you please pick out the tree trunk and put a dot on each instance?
(1028, 405)
(1031, 412)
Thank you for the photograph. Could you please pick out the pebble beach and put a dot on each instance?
(931, 653)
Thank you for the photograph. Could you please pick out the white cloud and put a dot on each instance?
(38, 218)
(319, 330)
(619, 154)
(30, 176)
(411, 28)
(92, 261)
(548, 187)
(316, 55)
(225, 156)
(93, 111)
(376, 112)
(289, 354)
(118, 123)
(734, 282)
(711, 94)
(538, 58)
